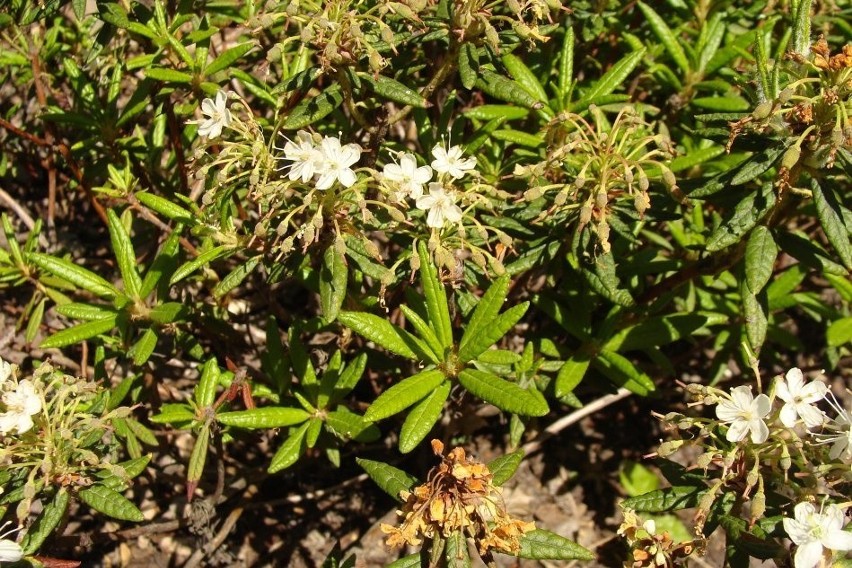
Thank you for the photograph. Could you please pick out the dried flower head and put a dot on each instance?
(458, 496)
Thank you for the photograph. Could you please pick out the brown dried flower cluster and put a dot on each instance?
(651, 550)
(824, 60)
(458, 496)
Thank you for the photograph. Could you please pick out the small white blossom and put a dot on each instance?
(407, 176)
(799, 398)
(814, 530)
(217, 115)
(306, 157)
(337, 163)
(441, 206)
(745, 414)
(21, 404)
(839, 432)
(450, 161)
(10, 551)
(5, 371)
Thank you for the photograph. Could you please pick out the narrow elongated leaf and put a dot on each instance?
(311, 110)
(143, 348)
(755, 315)
(545, 545)
(436, 297)
(201, 260)
(393, 90)
(291, 450)
(623, 373)
(124, 255)
(332, 285)
(566, 63)
(744, 217)
(722, 104)
(266, 417)
(572, 372)
(167, 75)
(410, 561)
(830, 216)
(349, 377)
(666, 37)
(197, 460)
(503, 468)
(169, 312)
(695, 158)
(456, 552)
(663, 500)
(436, 350)
(391, 480)
(34, 321)
(205, 392)
(839, 332)
(613, 78)
(166, 207)
(524, 77)
(379, 331)
(173, 413)
(657, 331)
(714, 36)
(85, 312)
(757, 164)
(486, 309)
(503, 394)
(468, 65)
(79, 333)
(348, 425)
(493, 112)
(46, 522)
(403, 394)
(488, 335)
(228, 57)
(761, 253)
(110, 503)
(235, 277)
(423, 417)
(77, 275)
(505, 89)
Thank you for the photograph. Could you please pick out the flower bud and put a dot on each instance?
(601, 199)
(785, 95)
(387, 34)
(585, 214)
(762, 111)
(644, 184)
(414, 262)
(669, 447)
(478, 258)
(339, 245)
(532, 194)
(791, 157)
(669, 179)
(396, 215)
(372, 249)
(561, 198)
(579, 182)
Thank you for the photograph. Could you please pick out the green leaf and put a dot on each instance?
(468, 65)
(403, 394)
(722, 104)
(389, 479)
(637, 479)
(612, 79)
(830, 214)
(393, 90)
(456, 552)
(110, 503)
(410, 561)
(662, 500)
(436, 298)
(623, 373)
(506, 396)
(197, 459)
(348, 425)
(657, 331)
(839, 332)
(74, 274)
(566, 64)
(802, 27)
(167, 75)
(311, 110)
(205, 391)
(143, 348)
(332, 285)
(436, 350)
(291, 450)
(744, 217)
(489, 335)
(494, 112)
(349, 377)
(505, 89)
(695, 157)
(34, 321)
(380, 331)
(545, 545)
(173, 413)
(755, 315)
(79, 7)
(486, 309)
(518, 137)
(423, 417)
(46, 522)
(503, 468)
(201, 260)
(166, 207)
(235, 277)
(124, 255)
(761, 253)
(757, 164)
(266, 417)
(524, 77)
(572, 372)
(228, 57)
(671, 42)
(169, 312)
(78, 333)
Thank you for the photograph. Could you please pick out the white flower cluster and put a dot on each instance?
(216, 116)
(745, 413)
(325, 161)
(21, 401)
(440, 202)
(812, 530)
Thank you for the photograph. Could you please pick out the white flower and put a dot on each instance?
(812, 530)
(449, 161)
(306, 157)
(21, 404)
(799, 398)
(745, 413)
(841, 432)
(337, 162)
(217, 113)
(10, 551)
(407, 176)
(441, 205)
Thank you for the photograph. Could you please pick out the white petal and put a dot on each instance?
(208, 107)
(782, 391)
(813, 391)
(393, 172)
(426, 202)
(727, 412)
(435, 218)
(347, 177)
(5, 371)
(350, 154)
(759, 431)
(833, 518)
(422, 174)
(788, 415)
(808, 555)
(798, 531)
(10, 551)
(795, 379)
(8, 422)
(811, 415)
(326, 180)
(742, 396)
(737, 431)
(762, 405)
(837, 539)
(452, 213)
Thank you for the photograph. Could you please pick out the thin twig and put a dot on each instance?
(570, 419)
(213, 545)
